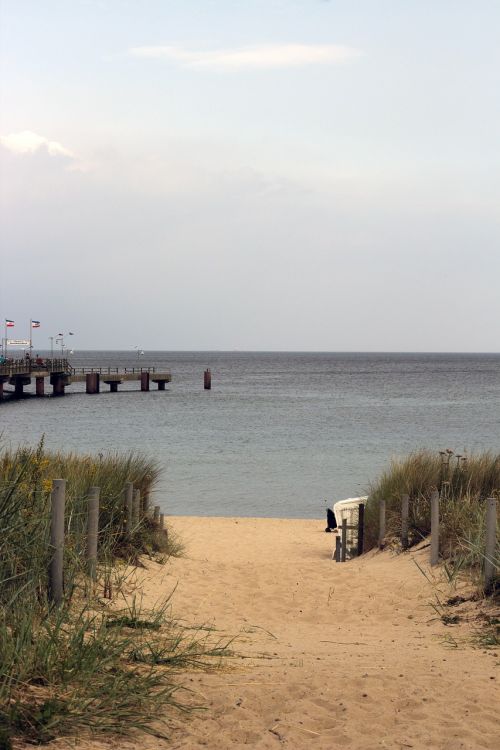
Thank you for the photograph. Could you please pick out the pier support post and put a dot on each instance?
(144, 381)
(19, 384)
(58, 384)
(57, 540)
(92, 382)
(161, 385)
(207, 379)
(113, 386)
(40, 386)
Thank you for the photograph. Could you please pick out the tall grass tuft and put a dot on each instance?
(84, 665)
(464, 482)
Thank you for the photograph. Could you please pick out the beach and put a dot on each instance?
(335, 655)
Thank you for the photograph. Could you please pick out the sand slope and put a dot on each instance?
(352, 658)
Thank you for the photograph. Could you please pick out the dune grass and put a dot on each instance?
(464, 482)
(88, 665)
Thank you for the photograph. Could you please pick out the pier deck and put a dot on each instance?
(20, 372)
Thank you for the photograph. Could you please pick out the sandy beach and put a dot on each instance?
(339, 656)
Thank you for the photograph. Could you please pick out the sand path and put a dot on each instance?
(353, 657)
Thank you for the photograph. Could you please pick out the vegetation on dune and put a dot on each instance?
(87, 664)
(464, 482)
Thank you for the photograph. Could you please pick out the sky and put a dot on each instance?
(251, 174)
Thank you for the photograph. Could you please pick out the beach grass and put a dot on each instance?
(464, 482)
(92, 663)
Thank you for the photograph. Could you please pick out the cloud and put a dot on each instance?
(28, 142)
(257, 57)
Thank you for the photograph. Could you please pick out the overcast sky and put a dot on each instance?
(252, 174)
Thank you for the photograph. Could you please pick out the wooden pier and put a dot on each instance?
(60, 374)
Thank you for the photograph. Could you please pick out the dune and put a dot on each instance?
(335, 655)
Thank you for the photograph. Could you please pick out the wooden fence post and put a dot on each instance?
(381, 525)
(92, 530)
(361, 528)
(156, 514)
(146, 503)
(162, 520)
(129, 496)
(405, 507)
(58, 501)
(137, 508)
(435, 528)
(343, 551)
(336, 554)
(489, 552)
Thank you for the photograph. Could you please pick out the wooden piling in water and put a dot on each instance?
(58, 384)
(144, 381)
(92, 382)
(40, 386)
(57, 506)
(92, 530)
(207, 379)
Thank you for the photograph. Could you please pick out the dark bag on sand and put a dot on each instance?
(331, 523)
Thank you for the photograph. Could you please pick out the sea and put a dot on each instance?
(280, 434)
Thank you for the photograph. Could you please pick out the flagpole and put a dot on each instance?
(31, 335)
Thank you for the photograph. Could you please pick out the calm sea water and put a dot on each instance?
(280, 434)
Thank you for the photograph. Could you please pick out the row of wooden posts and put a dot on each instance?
(340, 552)
(132, 506)
(490, 540)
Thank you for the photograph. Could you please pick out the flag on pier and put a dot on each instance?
(35, 324)
(9, 323)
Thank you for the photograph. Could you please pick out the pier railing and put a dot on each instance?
(112, 370)
(24, 366)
